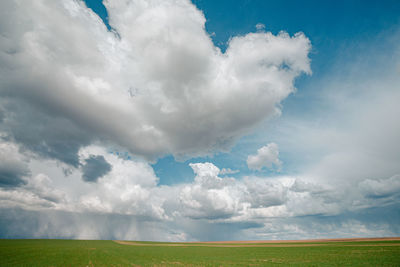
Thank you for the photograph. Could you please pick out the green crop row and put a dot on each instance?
(109, 253)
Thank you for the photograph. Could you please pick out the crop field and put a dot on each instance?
(356, 252)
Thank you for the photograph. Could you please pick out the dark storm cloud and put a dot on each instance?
(13, 168)
(20, 223)
(11, 178)
(2, 115)
(40, 131)
(94, 168)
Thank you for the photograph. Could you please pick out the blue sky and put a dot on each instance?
(204, 120)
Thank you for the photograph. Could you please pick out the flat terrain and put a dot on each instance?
(332, 252)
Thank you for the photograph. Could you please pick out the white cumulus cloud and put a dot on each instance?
(267, 156)
(158, 86)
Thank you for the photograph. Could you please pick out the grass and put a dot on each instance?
(109, 253)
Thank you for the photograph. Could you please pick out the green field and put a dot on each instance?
(109, 253)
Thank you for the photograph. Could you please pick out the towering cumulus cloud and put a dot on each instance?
(72, 93)
(154, 85)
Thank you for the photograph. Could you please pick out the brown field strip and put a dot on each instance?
(274, 243)
(245, 245)
(306, 240)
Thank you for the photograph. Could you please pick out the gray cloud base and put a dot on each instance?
(13, 166)
(94, 168)
(18, 223)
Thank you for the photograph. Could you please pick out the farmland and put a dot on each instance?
(44, 252)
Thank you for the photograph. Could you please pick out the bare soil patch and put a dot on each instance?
(303, 240)
(269, 243)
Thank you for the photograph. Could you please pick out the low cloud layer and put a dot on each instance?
(257, 207)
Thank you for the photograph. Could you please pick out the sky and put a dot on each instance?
(172, 120)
